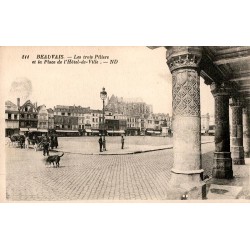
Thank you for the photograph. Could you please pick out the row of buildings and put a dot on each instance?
(121, 117)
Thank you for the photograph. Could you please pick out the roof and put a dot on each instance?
(10, 103)
(10, 106)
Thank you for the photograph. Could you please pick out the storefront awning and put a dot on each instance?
(32, 129)
(95, 131)
(68, 131)
(88, 130)
(24, 129)
(120, 132)
(150, 131)
(115, 131)
(42, 130)
(157, 132)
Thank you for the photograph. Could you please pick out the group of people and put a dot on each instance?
(102, 143)
(24, 142)
(44, 142)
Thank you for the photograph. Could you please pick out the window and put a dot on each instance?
(26, 109)
(9, 116)
(69, 114)
(15, 117)
(63, 113)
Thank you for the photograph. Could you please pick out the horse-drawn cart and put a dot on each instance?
(17, 140)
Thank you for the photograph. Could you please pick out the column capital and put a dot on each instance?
(219, 89)
(236, 102)
(245, 110)
(183, 57)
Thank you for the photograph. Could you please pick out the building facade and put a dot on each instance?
(43, 118)
(66, 119)
(115, 124)
(51, 122)
(95, 118)
(133, 125)
(11, 118)
(28, 119)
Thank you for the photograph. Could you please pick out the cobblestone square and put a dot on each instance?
(85, 177)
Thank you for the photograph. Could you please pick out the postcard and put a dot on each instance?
(125, 124)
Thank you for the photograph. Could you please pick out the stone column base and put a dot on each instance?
(222, 165)
(238, 155)
(188, 186)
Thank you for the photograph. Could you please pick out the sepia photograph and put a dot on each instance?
(126, 123)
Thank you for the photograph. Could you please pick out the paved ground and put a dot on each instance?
(92, 177)
(133, 144)
(241, 182)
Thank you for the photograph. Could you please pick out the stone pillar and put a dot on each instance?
(246, 131)
(237, 132)
(186, 173)
(222, 168)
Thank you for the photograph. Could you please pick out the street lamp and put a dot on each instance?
(103, 95)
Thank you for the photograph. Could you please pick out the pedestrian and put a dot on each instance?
(22, 140)
(52, 142)
(104, 144)
(100, 143)
(46, 147)
(35, 146)
(122, 141)
(26, 144)
(55, 141)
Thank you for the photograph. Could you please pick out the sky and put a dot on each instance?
(138, 72)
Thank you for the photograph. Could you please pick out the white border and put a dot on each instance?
(124, 226)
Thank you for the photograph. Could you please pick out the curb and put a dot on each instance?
(128, 153)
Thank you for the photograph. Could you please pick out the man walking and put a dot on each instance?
(100, 143)
(122, 141)
(46, 146)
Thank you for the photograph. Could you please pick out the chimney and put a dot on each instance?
(18, 103)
